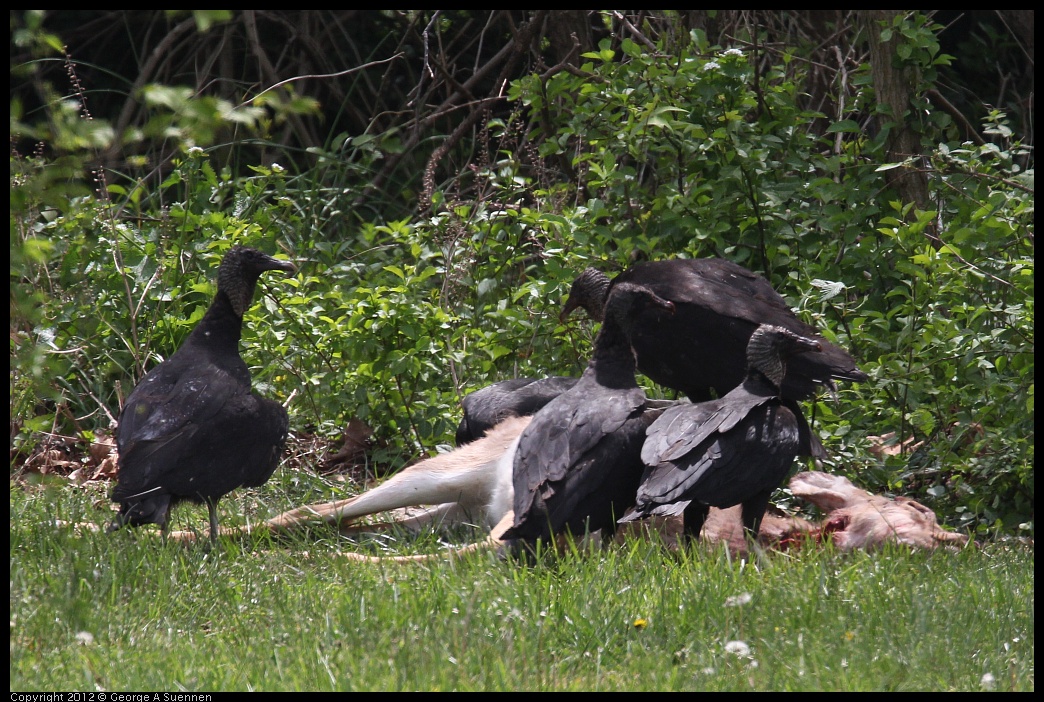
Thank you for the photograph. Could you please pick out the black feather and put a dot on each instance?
(700, 351)
(578, 462)
(192, 429)
(516, 397)
(735, 450)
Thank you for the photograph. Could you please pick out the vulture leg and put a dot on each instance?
(694, 517)
(212, 509)
(754, 512)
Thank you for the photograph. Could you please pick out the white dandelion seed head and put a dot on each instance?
(739, 600)
(737, 648)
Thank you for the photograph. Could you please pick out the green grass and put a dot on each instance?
(124, 612)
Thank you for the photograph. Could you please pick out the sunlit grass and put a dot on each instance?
(124, 611)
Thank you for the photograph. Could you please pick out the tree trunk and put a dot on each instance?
(895, 87)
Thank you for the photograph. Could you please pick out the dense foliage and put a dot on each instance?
(672, 146)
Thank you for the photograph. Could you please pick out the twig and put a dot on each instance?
(947, 107)
(842, 89)
(288, 399)
(509, 56)
(323, 75)
(634, 30)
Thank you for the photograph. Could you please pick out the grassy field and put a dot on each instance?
(125, 612)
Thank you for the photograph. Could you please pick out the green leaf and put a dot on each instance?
(205, 19)
(846, 125)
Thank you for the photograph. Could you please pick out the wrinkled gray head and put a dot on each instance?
(628, 301)
(589, 291)
(239, 271)
(770, 347)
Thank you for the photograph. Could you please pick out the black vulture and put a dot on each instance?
(719, 305)
(516, 397)
(731, 451)
(578, 462)
(192, 429)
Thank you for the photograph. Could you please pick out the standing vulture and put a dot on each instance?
(719, 305)
(192, 429)
(731, 451)
(516, 397)
(578, 462)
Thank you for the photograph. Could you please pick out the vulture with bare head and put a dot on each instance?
(192, 429)
(700, 351)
